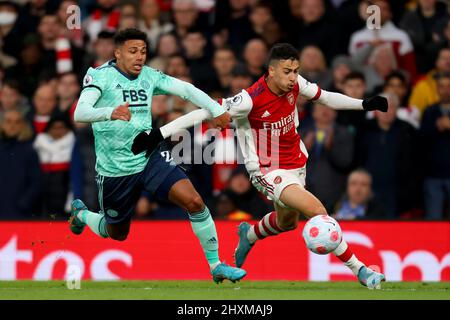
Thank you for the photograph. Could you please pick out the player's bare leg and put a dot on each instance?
(183, 194)
(303, 201)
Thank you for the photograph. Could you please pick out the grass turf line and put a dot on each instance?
(206, 290)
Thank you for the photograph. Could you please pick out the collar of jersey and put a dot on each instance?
(126, 75)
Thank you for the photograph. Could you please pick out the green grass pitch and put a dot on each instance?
(206, 290)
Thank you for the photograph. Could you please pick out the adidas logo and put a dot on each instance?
(266, 114)
(118, 86)
(212, 240)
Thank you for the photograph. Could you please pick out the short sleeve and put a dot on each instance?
(94, 78)
(238, 106)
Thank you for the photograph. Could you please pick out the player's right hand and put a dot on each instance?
(222, 121)
(146, 142)
(122, 112)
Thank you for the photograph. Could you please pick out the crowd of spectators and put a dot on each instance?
(362, 165)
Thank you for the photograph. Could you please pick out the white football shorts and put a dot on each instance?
(274, 182)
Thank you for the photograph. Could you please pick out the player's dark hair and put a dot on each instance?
(129, 34)
(355, 75)
(283, 51)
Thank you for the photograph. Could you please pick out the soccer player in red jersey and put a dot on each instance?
(266, 121)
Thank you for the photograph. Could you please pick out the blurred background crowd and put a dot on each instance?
(362, 165)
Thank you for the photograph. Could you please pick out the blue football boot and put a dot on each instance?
(369, 278)
(224, 271)
(244, 246)
(76, 225)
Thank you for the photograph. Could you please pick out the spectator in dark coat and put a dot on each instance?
(19, 168)
(232, 25)
(313, 27)
(441, 41)
(435, 131)
(330, 148)
(422, 25)
(385, 149)
(224, 61)
(359, 201)
(194, 48)
(30, 68)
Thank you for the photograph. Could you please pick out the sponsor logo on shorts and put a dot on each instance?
(277, 180)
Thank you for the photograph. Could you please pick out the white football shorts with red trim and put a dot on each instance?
(274, 182)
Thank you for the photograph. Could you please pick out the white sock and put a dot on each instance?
(343, 253)
(251, 235)
(354, 264)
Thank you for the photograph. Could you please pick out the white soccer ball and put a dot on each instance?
(322, 234)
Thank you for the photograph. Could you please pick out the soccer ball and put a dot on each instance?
(322, 234)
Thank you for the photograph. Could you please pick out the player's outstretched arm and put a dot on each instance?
(149, 140)
(187, 91)
(238, 106)
(340, 101)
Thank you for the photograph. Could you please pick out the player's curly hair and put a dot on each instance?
(129, 34)
(283, 51)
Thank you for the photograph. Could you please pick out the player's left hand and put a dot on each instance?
(375, 103)
(122, 112)
(146, 142)
(222, 121)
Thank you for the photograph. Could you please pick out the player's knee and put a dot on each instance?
(195, 204)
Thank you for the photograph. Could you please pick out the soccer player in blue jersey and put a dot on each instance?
(117, 99)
